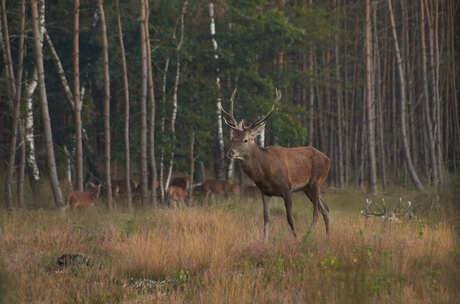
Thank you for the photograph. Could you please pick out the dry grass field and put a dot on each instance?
(214, 253)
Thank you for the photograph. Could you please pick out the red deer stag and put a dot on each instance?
(279, 171)
(78, 198)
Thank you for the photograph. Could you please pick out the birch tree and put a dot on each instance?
(175, 90)
(220, 132)
(59, 200)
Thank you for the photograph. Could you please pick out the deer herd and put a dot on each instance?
(275, 171)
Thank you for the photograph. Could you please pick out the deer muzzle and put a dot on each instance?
(232, 154)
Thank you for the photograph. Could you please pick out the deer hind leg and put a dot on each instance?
(310, 192)
(318, 205)
(288, 204)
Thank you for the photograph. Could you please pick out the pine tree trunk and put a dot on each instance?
(370, 105)
(105, 50)
(22, 165)
(59, 200)
(192, 168)
(77, 100)
(408, 158)
(427, 109)
(144, 184)
(127, 109)
(153, 165)
(16, 90)
(339, 91)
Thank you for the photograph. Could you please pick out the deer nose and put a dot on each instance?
(230, 153)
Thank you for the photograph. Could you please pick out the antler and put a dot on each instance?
(262, 121)
(382, 212)
(229, 119)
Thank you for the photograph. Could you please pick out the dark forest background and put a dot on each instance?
(387, 114)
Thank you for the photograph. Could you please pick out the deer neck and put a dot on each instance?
(254, 163)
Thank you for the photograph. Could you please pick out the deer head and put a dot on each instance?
(244, 136)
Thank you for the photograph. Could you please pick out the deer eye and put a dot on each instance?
(245, 140)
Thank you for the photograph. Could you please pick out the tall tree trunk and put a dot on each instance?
(220, 132)
(427, 109)
(192, 168)
(231, 161)
(163, 129)
(126, 97)
(77, 100)
(176, 87)
(33, 171)
(59, 200)
(60, 70)
(16, 90)
(22, 165)
(311, 63)
(339, 93)
(370, 105)
(407, 156)
(105, 50)
(151, 89)
(144, 184)
(31, 85)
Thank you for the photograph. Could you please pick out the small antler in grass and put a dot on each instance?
(379, 209)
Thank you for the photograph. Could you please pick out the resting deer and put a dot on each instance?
(78, 198)
(279, 171)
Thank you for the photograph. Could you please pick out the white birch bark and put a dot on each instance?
(220, 133)
(59, 200)
(176, 87)
(29, 130)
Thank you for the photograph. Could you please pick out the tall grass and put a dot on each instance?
(215, 254)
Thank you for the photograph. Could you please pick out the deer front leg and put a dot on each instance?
(266, 204)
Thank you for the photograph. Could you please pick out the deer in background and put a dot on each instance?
(214, 187)
(279, 171)
(176, 196)
(79, 198)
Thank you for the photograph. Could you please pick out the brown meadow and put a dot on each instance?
(216, 254)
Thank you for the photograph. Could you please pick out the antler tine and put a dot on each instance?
(229, 119)
(261, 121)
